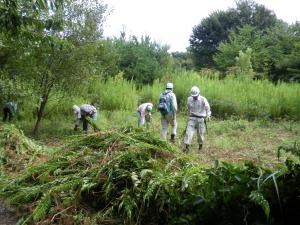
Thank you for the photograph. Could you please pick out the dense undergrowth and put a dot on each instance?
(129, 176)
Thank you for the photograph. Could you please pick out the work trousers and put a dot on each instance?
(165, 121)
(7, 114)
(143, 119)
(195, 125)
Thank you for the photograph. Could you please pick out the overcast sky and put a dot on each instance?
(171, 21)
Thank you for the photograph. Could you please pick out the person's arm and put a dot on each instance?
(188, 103)
(207, 108)
(94, 116)
(174, 102)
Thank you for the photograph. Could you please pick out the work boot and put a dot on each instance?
(200, 146)
(76, 128)
(186, 148)
(172, 138)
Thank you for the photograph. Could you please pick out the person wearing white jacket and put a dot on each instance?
(144, 114)
(168, 107)
(81, 113)
(199, 112)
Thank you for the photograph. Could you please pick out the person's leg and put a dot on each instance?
(200, 132)
(148, 121)
(190, 130)
(164, 124)
(5, 114)
(141, 120)
(173, 122)
(10, 115)
(84, 125)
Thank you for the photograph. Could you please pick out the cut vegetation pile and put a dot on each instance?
(132, 177)
(16, 150)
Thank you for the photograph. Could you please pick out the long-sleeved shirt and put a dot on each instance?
(198, 107)
(87, 109)
(173, 100)
(142, 109)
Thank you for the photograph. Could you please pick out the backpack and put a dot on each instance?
(165, 103)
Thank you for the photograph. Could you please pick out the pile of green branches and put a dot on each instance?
(130, 176)
(16, 150)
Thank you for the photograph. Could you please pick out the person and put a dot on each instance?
(168, 106)
(77, 114)
(144, 114)
(9, 109)
(199, 112)
(81, 113)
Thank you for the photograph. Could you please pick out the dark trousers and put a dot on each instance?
(85, 124)
(7, 114)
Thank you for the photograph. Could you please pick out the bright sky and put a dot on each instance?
(171, 21)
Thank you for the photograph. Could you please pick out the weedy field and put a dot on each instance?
(247, 173)
(232, 140)
(129, 176)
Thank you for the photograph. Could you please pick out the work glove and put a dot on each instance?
(208, 118)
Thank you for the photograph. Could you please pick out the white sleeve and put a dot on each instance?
(174, 102)
(207, 107)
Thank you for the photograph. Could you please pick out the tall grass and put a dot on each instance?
(114, 94)
(230, 97)
(237, 97)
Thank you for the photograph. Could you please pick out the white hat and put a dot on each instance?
(194, 91)
(75, 108)
(169, 86)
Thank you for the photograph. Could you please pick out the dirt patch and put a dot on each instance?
(7, 215)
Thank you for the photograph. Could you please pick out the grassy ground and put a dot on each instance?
(231, 140)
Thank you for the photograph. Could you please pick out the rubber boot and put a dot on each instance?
(186, 148)
(76, 128)
(172, 138)
(200, 147)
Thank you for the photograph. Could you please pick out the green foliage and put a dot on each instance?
(83, 21)
(216, 28)
(16, 150)
(183, 60)
(12, 20)
(42, 208)
(142, 61)
(132, 176)
(234, 97)
(243, 64)
(115, 93)
(293, 148)
(274, 51)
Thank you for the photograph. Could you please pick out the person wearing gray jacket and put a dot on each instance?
(199, 113)
(81, 113)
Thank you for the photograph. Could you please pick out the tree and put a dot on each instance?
(51, 60)
(23, 15)
(83, 20)
(216, 28)
(244, 65)
(142, 60)
(55, 68)
(275, 51)
(183, 60)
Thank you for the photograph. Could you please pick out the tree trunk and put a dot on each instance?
(40, 114)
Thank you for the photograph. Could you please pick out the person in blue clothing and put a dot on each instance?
(9, 110)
